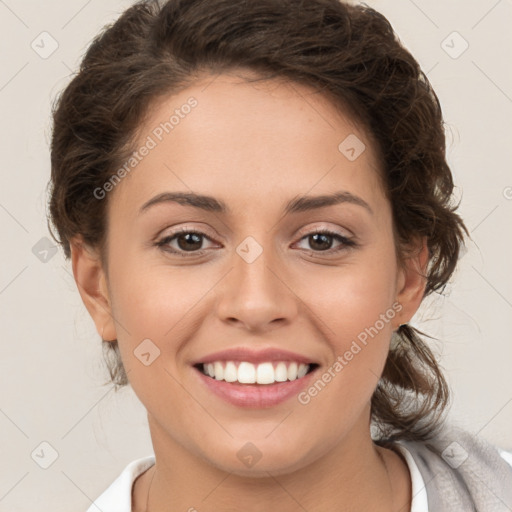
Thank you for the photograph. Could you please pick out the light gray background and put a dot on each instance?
(51, 369)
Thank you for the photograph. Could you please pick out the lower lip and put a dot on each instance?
(255, 395)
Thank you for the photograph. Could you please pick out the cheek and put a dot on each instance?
(165, 305)
(354, 296)
(356, 313)
(158, 300)
(161, 301)
(152, 301)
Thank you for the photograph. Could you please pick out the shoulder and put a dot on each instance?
(463, 471)
(118, 495)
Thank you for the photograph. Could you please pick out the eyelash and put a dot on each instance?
(163, 243)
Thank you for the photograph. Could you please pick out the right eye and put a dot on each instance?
(188, 241)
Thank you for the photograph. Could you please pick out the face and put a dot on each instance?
(259, 269)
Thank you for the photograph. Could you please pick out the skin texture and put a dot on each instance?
(255, 147)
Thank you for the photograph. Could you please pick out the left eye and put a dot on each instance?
(322, 238)
(190, 241)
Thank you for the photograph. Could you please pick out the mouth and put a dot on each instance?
(262, 374)
(259, 386)
(264, 378)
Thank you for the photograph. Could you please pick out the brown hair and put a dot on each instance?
(348, 52)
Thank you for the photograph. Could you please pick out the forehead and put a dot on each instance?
(249, 142)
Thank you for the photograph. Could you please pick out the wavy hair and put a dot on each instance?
(349, 53)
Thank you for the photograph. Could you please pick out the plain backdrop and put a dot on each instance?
(52, 397)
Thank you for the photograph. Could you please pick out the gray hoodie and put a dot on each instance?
(462, 472)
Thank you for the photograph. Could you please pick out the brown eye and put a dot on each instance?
(186, 241)
(321, 241)
(189, 241)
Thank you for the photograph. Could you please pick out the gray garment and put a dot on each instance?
(462, 472)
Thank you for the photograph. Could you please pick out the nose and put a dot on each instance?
(255, 293)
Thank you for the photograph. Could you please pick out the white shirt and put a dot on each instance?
(118, 496)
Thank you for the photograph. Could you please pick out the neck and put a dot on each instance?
(356, 475)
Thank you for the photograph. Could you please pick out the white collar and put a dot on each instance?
(118, 496)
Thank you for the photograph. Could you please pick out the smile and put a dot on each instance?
(244, 372)
(254, 385)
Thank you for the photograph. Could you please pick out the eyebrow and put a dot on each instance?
(295, 205)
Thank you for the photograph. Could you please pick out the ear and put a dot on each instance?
(412, 281)
(91, 281)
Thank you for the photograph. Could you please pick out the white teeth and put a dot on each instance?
(219, 370)
(281, 373)
(303, 369)
(248, 373)
(230, 372)
(292, 371)
(265, 373)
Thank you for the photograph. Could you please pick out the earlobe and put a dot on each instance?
(412, 282)
(91, 281)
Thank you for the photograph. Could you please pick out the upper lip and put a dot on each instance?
(254, 356)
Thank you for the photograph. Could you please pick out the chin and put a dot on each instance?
(257, 462)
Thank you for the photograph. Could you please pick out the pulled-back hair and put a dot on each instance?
(350, 54)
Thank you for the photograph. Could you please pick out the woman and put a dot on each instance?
(255, 200)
